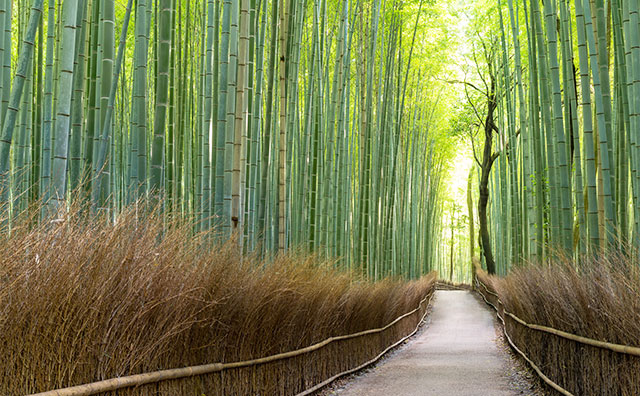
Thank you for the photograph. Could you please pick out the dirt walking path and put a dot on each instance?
(457, 355)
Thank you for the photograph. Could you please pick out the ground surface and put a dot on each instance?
(460, 353)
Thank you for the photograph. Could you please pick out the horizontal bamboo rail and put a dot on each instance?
(185, 372)
(629, 350)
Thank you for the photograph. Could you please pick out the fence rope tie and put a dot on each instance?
(625, 349)
(546, 379)
(185, 372)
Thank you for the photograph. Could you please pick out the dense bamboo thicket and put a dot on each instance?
(122, 302)
(566, 173)
(291, 122)
(601, 301)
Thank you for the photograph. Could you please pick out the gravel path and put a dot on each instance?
(460, 353)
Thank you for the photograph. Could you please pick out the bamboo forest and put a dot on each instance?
(319, 197)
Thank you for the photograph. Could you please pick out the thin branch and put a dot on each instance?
(473, 106)
(465, 83)
(473, 147)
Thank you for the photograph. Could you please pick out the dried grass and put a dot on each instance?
(82, 301)
(601, 301)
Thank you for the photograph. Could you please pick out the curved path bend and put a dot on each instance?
(457, 355)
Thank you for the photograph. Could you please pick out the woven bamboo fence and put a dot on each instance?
(298, 372)
(568, 362)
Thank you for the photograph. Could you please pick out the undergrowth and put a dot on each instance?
(82, 301)
(598, 300)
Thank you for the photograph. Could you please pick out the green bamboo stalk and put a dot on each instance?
(566, 216)
(8, 125)
(207, 129)
(45, 160)
(99, 176)
(222, 115)
(161, 100)
(282, 145)
(138, 126)
(77, 100)
(587, 126)
(63, 110)
(601, 110)
(240, 139)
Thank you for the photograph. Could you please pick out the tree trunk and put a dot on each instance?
(485, 242)
(488, 158)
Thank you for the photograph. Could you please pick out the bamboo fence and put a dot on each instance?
(187, 372)
(488, 295)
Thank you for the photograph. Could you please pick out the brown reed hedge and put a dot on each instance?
(83, 301)
(598, 300)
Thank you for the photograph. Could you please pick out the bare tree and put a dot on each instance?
(483, 101)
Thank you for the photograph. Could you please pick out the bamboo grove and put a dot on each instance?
(566, 178)
(288, 123)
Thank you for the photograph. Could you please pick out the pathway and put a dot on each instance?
(457, 355)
